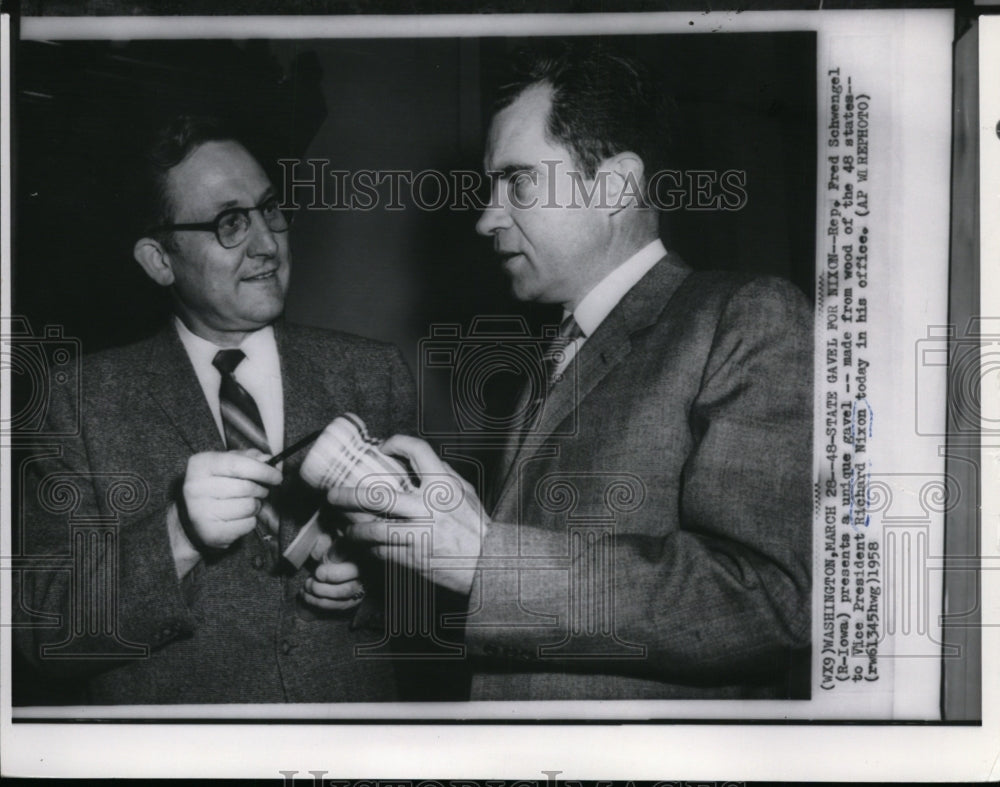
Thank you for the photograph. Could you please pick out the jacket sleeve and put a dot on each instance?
(402, 396)
(727, 592)
(95, 584)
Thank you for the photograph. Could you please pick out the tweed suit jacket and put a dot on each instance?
(233, 630)
(652, 537)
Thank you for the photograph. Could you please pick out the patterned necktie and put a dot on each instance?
(552, 356)
(241, 422)
(530, 408)
(569, 331)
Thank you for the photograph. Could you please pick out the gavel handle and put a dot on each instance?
(294, 448)
(300, 549)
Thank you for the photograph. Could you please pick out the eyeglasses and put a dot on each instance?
(232, 226)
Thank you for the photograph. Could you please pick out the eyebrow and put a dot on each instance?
(223, 206)
(512, 169)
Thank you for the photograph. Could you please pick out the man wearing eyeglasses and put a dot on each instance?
(203, 609)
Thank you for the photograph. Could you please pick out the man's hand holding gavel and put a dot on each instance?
(221, 497)
(377, 495)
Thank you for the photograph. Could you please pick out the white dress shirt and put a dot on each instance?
(598, 303)
(259, 373)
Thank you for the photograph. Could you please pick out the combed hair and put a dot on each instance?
(167, 147)
(603, 104)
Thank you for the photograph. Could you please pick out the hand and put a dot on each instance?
(335, 584)
(445, 501)
(222, 494)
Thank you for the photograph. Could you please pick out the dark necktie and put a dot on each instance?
(241, 423)
(530, 407)
(552, 356)
(531, 402)
(569, 331)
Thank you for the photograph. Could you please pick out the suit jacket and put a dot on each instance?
(233, 630)
(652, 538)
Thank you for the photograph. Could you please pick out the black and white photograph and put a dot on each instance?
(381, 377)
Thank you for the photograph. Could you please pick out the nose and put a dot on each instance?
(262, 242)
(496, 215)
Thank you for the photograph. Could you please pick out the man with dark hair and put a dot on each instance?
(602, 104)
(185, 597)
(650, 535)
(168, 146)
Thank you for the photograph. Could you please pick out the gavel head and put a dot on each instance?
(346, 455)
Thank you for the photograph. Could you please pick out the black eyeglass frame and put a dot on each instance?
(213, 225)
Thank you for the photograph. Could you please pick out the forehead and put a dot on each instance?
(518, 132)
(214, 176)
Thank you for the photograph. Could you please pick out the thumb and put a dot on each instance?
(322, 544)
(336, 552)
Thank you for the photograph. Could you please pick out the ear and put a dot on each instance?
(625, 181)
(155, 260)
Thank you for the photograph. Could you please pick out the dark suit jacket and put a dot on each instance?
(662, 520)
(233, 629)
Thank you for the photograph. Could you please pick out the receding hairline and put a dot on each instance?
(168, 176)
(545, 87)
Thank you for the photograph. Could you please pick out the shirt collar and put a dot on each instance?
(598, 303)
(257, 345)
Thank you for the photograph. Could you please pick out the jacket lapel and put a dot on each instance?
(309, 404)
(173, 384)
(609, 345)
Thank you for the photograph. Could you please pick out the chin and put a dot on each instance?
(523, 290)
(263, 316)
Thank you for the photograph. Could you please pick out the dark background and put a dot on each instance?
(743, 101)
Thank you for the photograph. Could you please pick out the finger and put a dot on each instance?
(382, 502)
(343, 571)
(360, 516)
(345, 498)
(242, 526)
(420, 455)
(393, 533)
(236, 464)
(367, 500)
(321, 547)
(368, 533)
(330, 604)
(223, 489)
(222, 534)
(401, 554)
(339, 591)
(236, 508)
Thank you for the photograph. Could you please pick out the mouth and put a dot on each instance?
(507, 256)
(266, 275)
